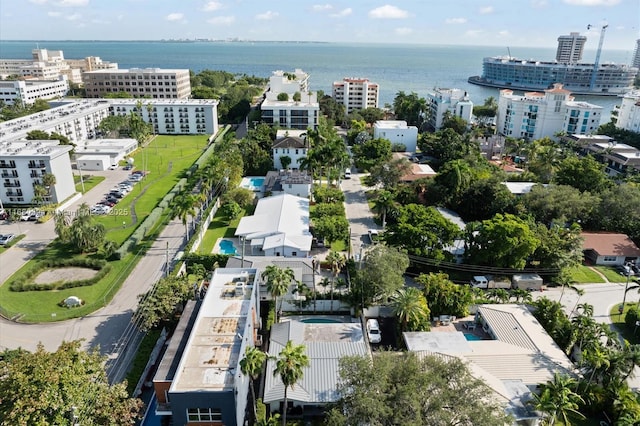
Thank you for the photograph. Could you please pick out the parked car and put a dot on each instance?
(117, 193)
(374, 236)
(113, 167)
(25, 216)
(625, 270)
(373, 331)
(347, 174)
(6, 238)
(112, 199)
(107, 203)
(4, 215)
(127, 167)
(37, 214)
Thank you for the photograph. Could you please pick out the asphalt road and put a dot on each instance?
(111, 325)
(358, 213)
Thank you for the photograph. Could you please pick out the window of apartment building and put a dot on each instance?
(203, 414)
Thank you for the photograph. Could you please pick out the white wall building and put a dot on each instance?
(289, 181)
(100, 154)
(289, 83)
(628, 112)
(22, 165)
(148, 82)
(570, 48)
(620, 158)
(455, 101)
(27, 91)
(173, 117)
(356, 93)
(290, 113)
(397, 132)
(278, 227)
(293, 144)
(536, 115)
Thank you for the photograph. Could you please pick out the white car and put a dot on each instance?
(27, 215)
(100, 209)
(113, 167)
(373, 331)
(6, 238)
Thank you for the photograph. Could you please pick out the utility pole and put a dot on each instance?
(166, 269)
(626, 287)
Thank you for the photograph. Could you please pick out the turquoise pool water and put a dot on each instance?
(472, 337)
(256, 182)
(227, 247)
(320, 321)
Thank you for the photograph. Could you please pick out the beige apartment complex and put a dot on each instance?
(356, 93)
(155, 83)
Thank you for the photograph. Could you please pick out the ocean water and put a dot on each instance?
(408, 68)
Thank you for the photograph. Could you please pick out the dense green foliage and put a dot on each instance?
(160, 305)
(18, 109)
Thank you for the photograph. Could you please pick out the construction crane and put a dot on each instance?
(594, 74)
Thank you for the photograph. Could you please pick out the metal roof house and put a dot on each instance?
(518, 356)
(278, 227)
(325, 344)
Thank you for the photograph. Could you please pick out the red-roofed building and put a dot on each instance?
(608, 248)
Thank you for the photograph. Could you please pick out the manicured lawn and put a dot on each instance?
(582, 274)
(218, 228)
(166, 159)
(89, 182)
(338, 246)
(611, 274)
(631, 335)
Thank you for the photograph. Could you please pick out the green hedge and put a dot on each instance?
(25, 282)
(206, 260)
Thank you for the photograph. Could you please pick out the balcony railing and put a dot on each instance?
(11, 185)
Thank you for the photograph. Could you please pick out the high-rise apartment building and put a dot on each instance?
(636, 55)
(570, 48)
(356, 93)
(148, 82)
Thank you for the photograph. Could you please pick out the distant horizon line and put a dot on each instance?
(236, 40)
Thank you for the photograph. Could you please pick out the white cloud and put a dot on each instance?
(538, 4)
(266, 16)
(212, 6)
(175, 17)
(71, 3)
(592, 2)
(455, 21)
(342, 13)
(38, 1)
(222, 20)
(486, 10)
(321, 7)
(403, 31)
(388, 12)
(473, 33)
(504, 33)
(54, 14)
(74, 17)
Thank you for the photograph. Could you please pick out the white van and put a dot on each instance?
(347, 174)
(373, 331)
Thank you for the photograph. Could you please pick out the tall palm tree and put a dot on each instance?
(183, 206)
(410, 306)
(337, 262)
(278, 282)
(289, 364)
(252, 365)
(383, 203)
(558, 400)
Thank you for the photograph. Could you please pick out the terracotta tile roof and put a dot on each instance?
(609, 243)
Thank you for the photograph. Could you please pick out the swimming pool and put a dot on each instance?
(320, 321)
(227, 247)
(254, 183)
(472, 337)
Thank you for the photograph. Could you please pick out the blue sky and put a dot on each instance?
(535, 23)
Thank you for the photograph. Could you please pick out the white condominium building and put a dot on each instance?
(299, 110)
(173, 117)
(628, 112)
(536, 115)
(454, 101)
(398, 132)
(27, 91)
(155, 83)
(289, 83)
(356, 93)
(24, 163)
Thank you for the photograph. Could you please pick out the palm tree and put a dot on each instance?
(337, 262)
(252, 365)
(383, 203)
(289, 364)
(410, 306)
(48, 181)
(183, 206)
(278, 281)
(558, 400)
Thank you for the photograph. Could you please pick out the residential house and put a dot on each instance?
(515, 354)
(619, 158)
(206, 386)
(278, 227)
(609, 248)
(290, 143)
(292, 182)
(397, 132)
(325, 344)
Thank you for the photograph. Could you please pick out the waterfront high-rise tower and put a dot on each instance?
(636, 55)
(570, 48)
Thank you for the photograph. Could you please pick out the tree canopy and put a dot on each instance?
(401, 389)
(382, 272)
(62, 388)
